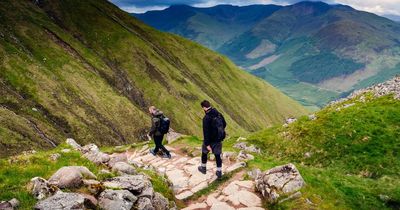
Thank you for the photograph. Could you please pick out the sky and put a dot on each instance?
(380, 7)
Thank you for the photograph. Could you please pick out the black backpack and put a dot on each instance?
(220, 125)
(164, 125)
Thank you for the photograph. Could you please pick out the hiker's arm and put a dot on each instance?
(153, 127)
(207, 131)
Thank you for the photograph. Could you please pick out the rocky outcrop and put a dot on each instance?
(386, 88)
(159, 202)
(133, 183)
(278, 181)
(9, 205)
(173, 136)
(62, 200)
(73, 144)
(117, 199)
(123, 168)
(245, 147)
(92, 152)
(70, 176)
(134, 190)
(40, 188)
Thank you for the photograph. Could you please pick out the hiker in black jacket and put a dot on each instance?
(212, 137)
(155, 133)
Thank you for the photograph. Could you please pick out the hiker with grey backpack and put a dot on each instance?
(159, 127)
(214, 133)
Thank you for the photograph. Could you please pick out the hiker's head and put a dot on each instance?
(206, 105)
(152, 109)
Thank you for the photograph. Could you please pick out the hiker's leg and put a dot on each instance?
(217, 150)
(219, 161)
(204, 153)
(158, 142)
(163, 148)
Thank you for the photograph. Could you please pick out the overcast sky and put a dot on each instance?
(380, 7)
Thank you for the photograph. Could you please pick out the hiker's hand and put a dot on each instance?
(209, 148)
(148, 137)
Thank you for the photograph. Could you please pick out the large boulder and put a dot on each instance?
(70, 176)
(280, 180)
(123, 168)
(117, 199)
(64, 201)
(147, 191)
(41, 188)
(144, 204)
(117, 157)
(73, 144)
(90, 148)
(133, 183)
(9, 205)
(173, 136)
(160, 202)
(97, 157)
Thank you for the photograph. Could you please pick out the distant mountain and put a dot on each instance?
(313, 51)
(393, 17)
(211, 27)
(87, 70)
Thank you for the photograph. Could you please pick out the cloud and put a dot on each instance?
(139, 6)
(375, 6)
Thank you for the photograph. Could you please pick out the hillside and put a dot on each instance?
(348, 151)
(87, 70)
(312, 51)
(344, 156)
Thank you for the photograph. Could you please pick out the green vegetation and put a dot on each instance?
(87, 70)
(317, 68)
(354, 159)
(17, 171)
(316, 44)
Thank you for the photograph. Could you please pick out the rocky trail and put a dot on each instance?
(186, 180)
(76, 187)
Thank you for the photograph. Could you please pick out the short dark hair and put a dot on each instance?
(205, 104)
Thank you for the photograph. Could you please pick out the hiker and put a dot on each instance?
(214, 133)
(159, 127)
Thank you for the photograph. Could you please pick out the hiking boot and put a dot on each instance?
(219, 175)
(202, 169)
(152, 152)
(167, 156)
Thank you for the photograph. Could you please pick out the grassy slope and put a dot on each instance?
(17, 171)
(90, 70)
(354, 155)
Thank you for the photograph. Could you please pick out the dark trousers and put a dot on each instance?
(158, 141)
(216, 149)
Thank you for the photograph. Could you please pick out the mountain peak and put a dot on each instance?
(310, 7)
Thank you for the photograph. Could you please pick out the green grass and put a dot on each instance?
(17, 171)
(95, 71)
(354, 155)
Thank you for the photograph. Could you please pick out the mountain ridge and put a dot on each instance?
(89, 71)
(356, 47)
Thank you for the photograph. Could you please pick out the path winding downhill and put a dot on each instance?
(181, 171)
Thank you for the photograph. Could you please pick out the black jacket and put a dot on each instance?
(155, 124)
(209, 129)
